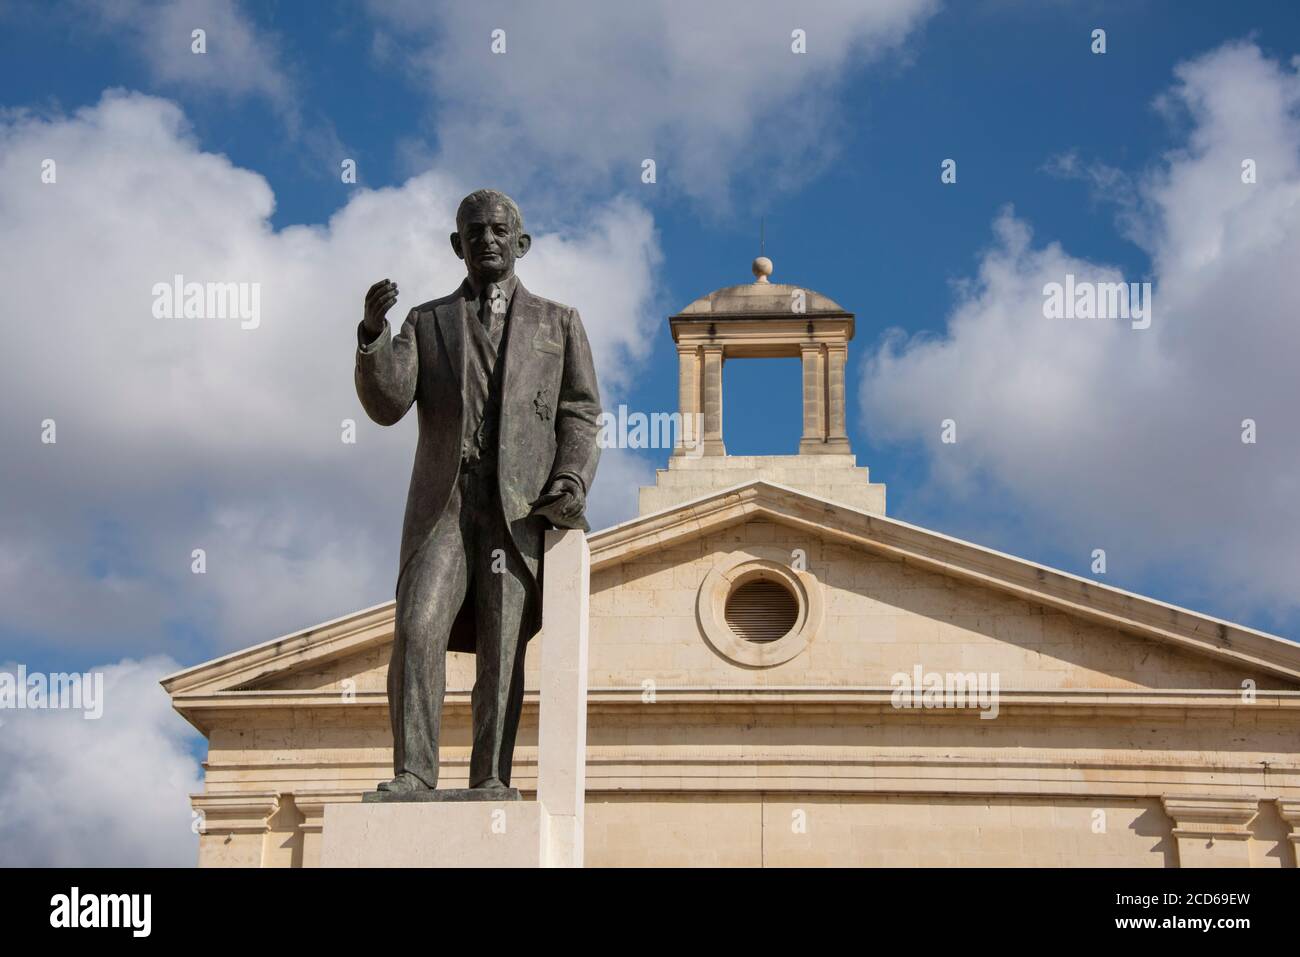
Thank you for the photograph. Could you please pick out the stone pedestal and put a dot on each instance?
(562, 722)
(439, 830)
(311, 804)
(433, 834)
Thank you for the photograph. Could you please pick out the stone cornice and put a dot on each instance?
(1210, 815)
(1289, 808)
(246, 812)
(1217, 810)
(320, 643)
(770, 335)
(311, 803)
(204, 710)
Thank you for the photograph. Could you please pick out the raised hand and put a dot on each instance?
(379, 300)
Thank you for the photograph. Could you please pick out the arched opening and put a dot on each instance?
(762, 406)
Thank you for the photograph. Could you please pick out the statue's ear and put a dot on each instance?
(455, 245)
(525, 244)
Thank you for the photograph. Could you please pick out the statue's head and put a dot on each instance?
(489, 235)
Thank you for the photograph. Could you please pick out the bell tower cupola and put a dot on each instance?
(763, 320)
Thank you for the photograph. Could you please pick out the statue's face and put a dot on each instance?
(489, 242)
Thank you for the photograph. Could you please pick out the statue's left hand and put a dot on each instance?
(562, 504)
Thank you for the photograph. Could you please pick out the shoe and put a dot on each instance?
(404, 783)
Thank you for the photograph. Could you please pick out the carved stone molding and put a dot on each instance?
(1289, 809)
(1211, 831)
(1204, 816)
(245, 812)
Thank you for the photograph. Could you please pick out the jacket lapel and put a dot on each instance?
(524, 310)
(451, 323)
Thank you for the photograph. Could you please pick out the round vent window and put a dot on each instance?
(761, 610)
(757, 612)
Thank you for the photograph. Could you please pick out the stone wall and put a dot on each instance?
(835, 478)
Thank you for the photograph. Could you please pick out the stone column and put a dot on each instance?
(234, 826)
(562, 722)
(814, 400)
(837, 439)
(1211, 831)
(690, 438)
(712, 395)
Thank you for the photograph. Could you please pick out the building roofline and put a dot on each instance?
(1130, 612)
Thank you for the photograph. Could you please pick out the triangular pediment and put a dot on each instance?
(357, 645)
(879, 535)
(260, 665)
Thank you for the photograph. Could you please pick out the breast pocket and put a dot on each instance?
(542, 344)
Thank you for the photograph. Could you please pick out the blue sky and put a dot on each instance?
(1066, 160)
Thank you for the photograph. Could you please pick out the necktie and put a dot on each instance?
(494, 305)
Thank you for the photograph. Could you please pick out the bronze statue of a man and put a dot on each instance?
(507, 401)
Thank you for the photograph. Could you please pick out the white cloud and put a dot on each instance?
(183, 434)
(622, 473)
(106, 792)
(1131, 439)
(240, 60)
(586, 91)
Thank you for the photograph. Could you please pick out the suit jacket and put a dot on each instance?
(550, 406)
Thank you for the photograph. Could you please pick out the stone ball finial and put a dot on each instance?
(762, 269)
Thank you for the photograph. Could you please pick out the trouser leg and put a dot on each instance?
(429, 595)
(506, 612)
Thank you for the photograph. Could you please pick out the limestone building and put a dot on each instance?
(781, 674)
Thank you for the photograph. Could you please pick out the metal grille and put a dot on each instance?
(761, 610)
